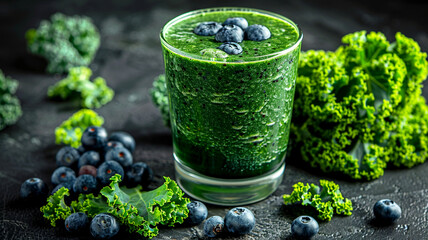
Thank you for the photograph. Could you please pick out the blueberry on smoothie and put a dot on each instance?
(257, 32)
(231, 48)
(230, 33)
(238, 21)
(207, 28)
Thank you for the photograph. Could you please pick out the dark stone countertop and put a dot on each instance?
(130, 57)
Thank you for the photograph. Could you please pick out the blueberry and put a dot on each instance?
(81, 149)
(197, 213)
(68, 185)
(85, 184)
(304, 227)
(231, 48)
(125, 138)
(89, 158)
(62, 174)
(104, 226)
(230, 33)
(387, 210)
(34, 189)
(67, 157)
(257, 32)
(239, 221)
(238, 21)
(139, 173)
(207, 28)
(214, 226)
(107, 170)
(94, 138)
(76, 222)
(112, 144)
(120, 155)
(88, 169)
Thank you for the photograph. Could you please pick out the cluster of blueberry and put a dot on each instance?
(232, 32)
(95, 161)
(238, 221)
(386, 212)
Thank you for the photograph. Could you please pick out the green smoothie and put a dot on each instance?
(230, 116)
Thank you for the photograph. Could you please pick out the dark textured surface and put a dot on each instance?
(130, 57)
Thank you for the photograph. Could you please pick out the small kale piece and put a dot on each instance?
(10, 107)
(64, 41)
(139, 211)
(56, 208)
(326, 199)
(78, 84)
(160, 98)
(70, 131)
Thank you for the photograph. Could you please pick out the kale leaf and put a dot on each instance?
(71, 130)
(139, 211)
(78, 84)
(326, 199)
(10, 106)
(64, 41)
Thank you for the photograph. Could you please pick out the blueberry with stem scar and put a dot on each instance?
(257, 32)
(231, 48)
(207, 28)
(230, 33)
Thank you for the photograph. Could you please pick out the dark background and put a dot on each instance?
(130, 57)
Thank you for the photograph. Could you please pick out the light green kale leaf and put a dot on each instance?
(71, 130)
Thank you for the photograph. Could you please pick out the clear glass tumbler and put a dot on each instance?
(230, 119)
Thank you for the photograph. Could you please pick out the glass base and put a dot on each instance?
(227, 192)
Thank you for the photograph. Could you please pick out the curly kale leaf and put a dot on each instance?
(78, 84)
(406, 143)
(10, 107)
(160, 98)
(326, 199)
(140, 211)
(56, 208)
(356, 110)
(64, 41)
(71, 130)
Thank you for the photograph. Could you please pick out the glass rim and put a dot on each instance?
(222, 60)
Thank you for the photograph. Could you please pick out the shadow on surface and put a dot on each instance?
(161, 138)
(31, 63)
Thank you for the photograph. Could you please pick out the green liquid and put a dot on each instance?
(229, 118)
